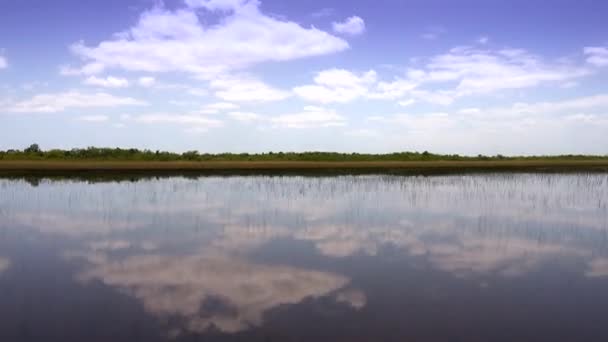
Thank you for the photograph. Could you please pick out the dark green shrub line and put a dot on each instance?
(34, 152)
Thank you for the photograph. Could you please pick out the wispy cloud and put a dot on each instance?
(597, 55)
(353, 26)
(199, 123)
(311, 117)
(57, 102)
(483, 40)
(107, 82)
(245, 89)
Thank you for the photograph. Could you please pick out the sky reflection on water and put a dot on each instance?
(351, 257)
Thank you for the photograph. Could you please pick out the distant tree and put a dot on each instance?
(190, 155)
(33, 148)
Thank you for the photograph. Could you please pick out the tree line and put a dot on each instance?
(34, 152)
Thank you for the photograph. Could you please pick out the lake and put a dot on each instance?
(479, 257)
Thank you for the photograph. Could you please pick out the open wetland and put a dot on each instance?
(473, 257)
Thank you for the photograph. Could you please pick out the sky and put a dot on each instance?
(515, 77)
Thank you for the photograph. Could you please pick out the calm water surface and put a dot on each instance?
(498, 257)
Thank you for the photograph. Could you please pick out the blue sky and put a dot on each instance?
(461, 76)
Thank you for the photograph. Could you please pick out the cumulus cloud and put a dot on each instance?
(107, 82)
(597, 55)
(442, 79)
(353, 25)
(182, 285)
(337, 85)
(51, 103)
(165, 40)
(245, 89)
(3, 62)
(311, 117)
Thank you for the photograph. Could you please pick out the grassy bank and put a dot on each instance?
(99, 161)
(46, 167)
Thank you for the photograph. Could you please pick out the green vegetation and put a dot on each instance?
(110, 162)
(34, 152)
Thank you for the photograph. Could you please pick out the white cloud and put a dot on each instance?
(217, 107)
(466, 71)
(93, 118)
(108, 82)
(3, 62)
(597, 56)
(337, 85)
(407, 102)
(245, 116)
(177, 119)
(164, 41)
(222, 5)
(461, 72)
(245, 89)
(50, 103)
(146, 81)
(353, 25)
(485, 71)
(311, 117)
(393, 90)
(177, 286)
(521, 128)
(483, 40)
(193, 123)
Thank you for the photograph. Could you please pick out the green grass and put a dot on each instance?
(33, 160)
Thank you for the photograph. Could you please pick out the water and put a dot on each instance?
(499, 257)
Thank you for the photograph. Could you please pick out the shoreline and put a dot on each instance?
(15, 168)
